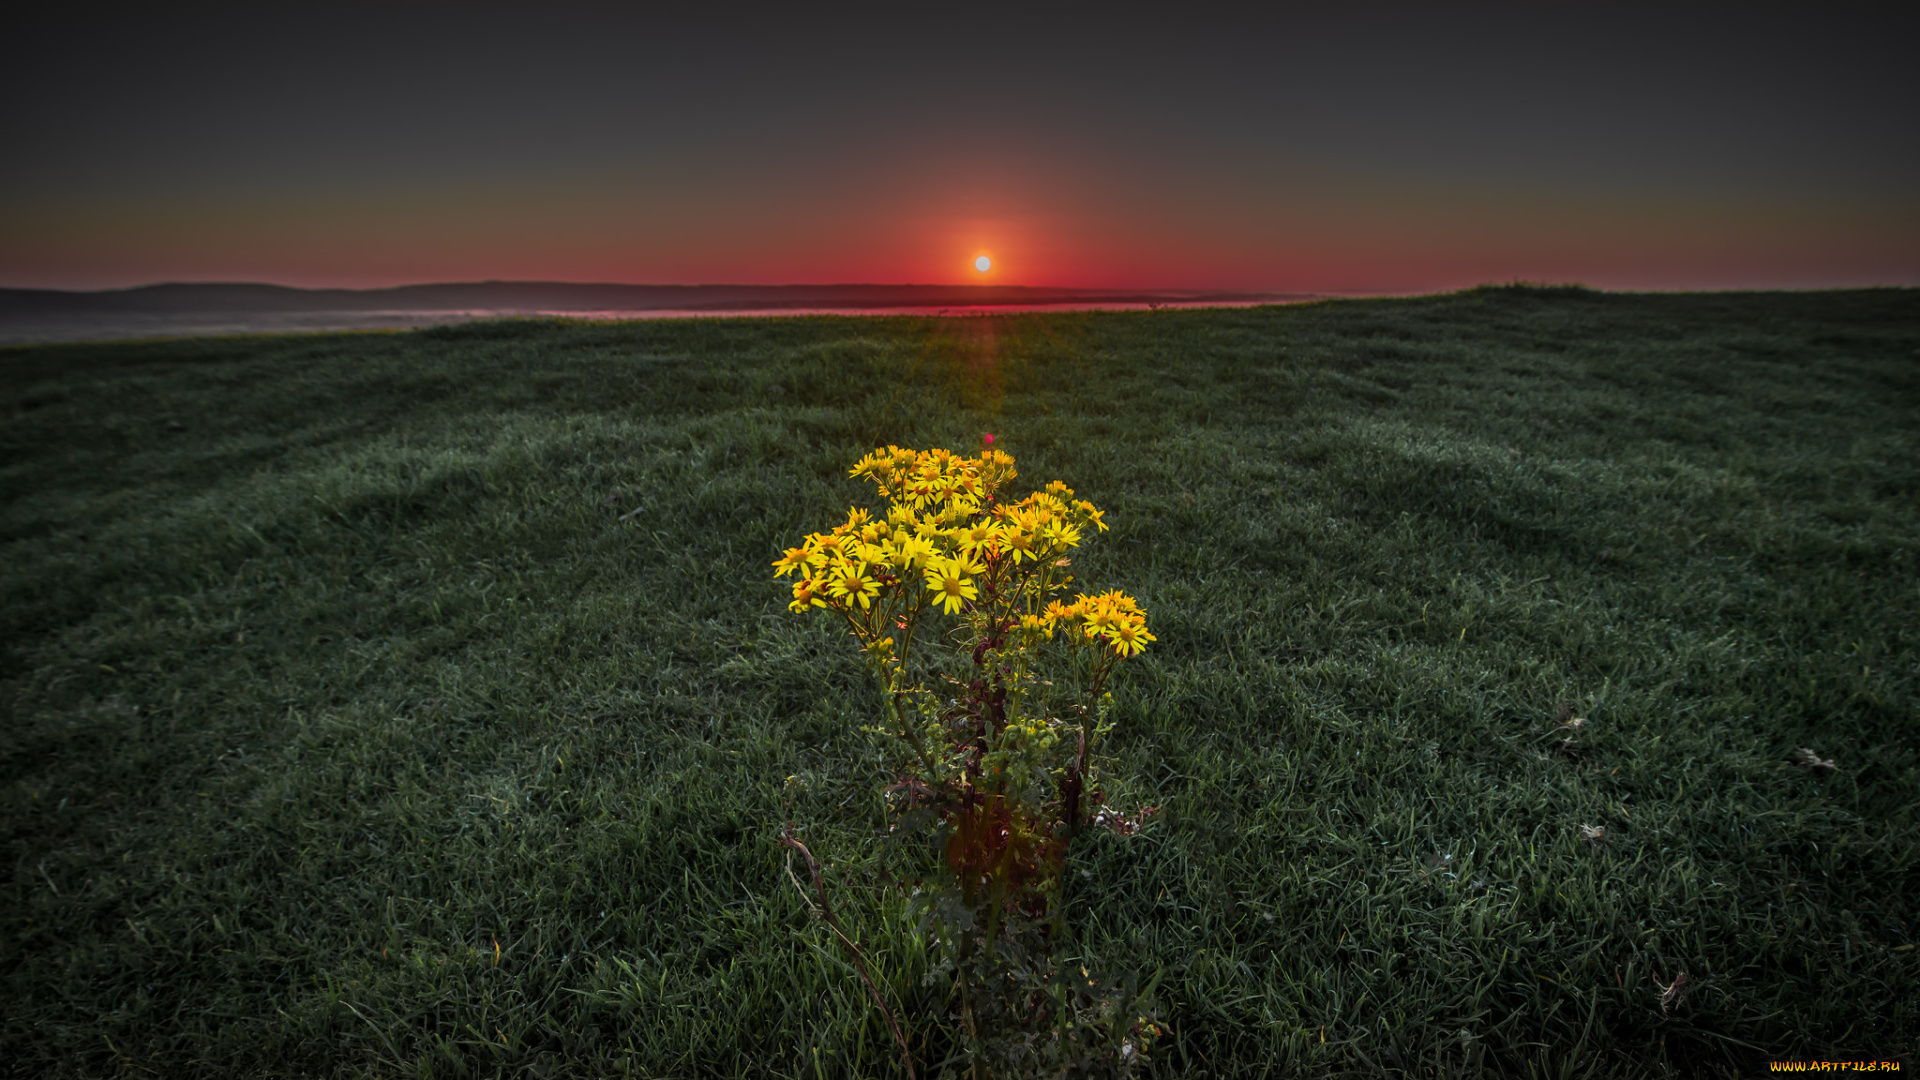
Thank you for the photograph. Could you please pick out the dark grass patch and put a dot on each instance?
(422, 703)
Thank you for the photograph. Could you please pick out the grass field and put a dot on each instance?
(423, 704)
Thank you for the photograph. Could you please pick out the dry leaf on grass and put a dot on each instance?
(1673, 993)
(1812, 762)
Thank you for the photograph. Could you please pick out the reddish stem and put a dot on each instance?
(787, 839)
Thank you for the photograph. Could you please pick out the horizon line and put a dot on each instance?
(1240, 290)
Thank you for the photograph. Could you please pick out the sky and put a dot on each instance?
(1372, 148)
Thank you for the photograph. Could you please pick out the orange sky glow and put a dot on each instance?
(1318, 154)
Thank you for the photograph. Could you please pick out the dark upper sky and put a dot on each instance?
(1369, 149)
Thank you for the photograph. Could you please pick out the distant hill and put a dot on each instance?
(511, 297)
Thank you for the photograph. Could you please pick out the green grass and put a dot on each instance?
(422, 704)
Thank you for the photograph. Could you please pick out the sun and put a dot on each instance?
(983, 264)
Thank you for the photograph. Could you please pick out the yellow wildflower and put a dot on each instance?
(874, 466)
(914, 551)
(1099, 616)
(849, 582)
(794, 559)
(1129, 639)
(1061, 533)
(951, 581)
(806, 594)
(1017, 543)
(971, 539)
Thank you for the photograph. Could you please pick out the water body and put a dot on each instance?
(178, 311)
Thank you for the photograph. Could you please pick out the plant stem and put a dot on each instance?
(787, 839)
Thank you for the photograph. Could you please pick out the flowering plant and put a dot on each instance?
(994, 736)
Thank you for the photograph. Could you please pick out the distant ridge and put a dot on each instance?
(514, 297)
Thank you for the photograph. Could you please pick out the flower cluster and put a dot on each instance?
(1112, 618)
(948, 541)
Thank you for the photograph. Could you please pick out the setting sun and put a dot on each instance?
(983, 264)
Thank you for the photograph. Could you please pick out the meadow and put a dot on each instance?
(422, 704)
